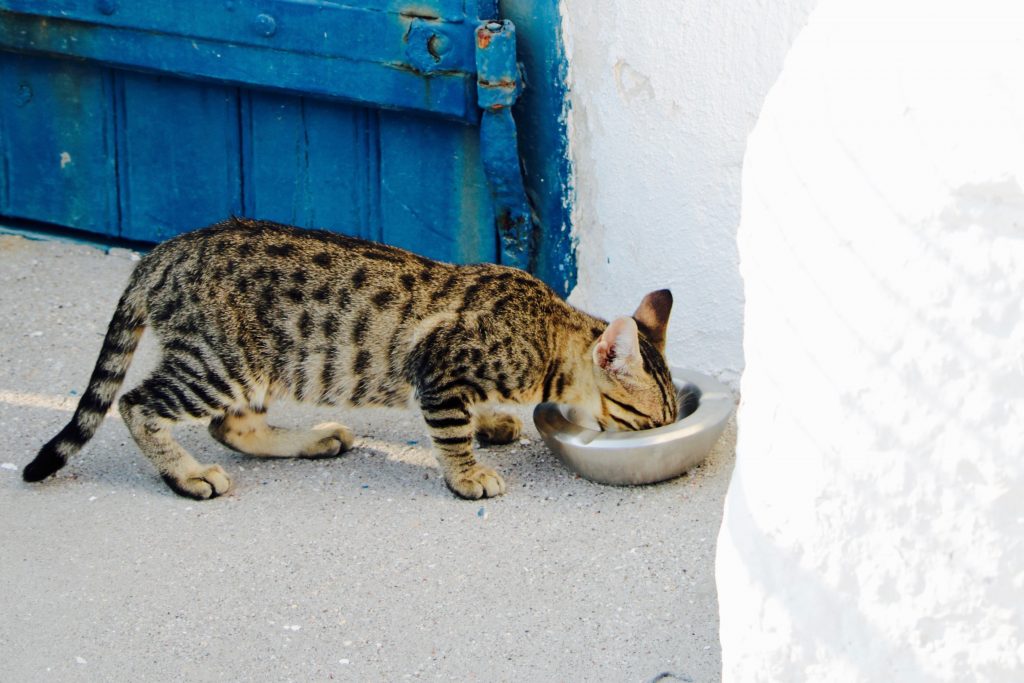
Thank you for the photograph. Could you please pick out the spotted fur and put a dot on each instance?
(247, 312)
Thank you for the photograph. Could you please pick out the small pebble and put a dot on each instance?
(412, 442)
(524, 442)
(9, 466)
(365, 486)
(482, 513)
(80, 660)
(342, 661)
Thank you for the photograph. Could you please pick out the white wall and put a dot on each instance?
(874, 527)
(663, 95)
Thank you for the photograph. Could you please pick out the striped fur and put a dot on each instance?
(247, 312)
(118, 347)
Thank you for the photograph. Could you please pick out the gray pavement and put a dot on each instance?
(363, 568)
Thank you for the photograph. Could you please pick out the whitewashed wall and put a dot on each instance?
(663, 95)
(874, 527)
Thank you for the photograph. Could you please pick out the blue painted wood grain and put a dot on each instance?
(311, 163)
(178, 155)
(57, 143)
(402, 179)
(433, 193)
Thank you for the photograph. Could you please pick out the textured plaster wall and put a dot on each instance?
(874, 527)
(663, 95)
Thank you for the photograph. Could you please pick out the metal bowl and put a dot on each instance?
(648, 456)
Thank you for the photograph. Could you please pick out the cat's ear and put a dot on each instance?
(618, 350)
(652, 317)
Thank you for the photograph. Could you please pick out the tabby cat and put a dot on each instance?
(250, 311)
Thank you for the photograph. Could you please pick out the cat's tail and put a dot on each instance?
(116, 355)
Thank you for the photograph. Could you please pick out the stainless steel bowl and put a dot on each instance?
(648, 456)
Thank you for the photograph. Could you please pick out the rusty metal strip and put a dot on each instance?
(498, 87)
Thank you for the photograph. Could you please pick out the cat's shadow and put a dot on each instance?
(395, 467)
(362, 466)
(113, 461)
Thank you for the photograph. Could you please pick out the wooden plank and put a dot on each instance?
(312, 163)
(360, 33)
(388, 79)
(57, 144)
(178, 155)
(434, 196)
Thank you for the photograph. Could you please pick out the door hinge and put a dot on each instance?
(499, 82)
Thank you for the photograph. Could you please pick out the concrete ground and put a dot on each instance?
(363, 568)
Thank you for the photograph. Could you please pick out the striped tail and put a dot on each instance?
(116, 355)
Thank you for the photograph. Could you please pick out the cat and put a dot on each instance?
(246, 312)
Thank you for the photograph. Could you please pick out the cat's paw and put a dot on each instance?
(476, 482)
(208, 482)
(498, 429)
(337, 440)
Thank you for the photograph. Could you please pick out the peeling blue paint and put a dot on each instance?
(540, 115)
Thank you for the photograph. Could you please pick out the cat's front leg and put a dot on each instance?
(451, 430)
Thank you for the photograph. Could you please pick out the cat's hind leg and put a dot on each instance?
(248, 432)
(150, 411)
(496, 428)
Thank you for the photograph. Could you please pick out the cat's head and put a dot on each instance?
(629, 365)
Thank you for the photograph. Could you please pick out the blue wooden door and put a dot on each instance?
(142, 120)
